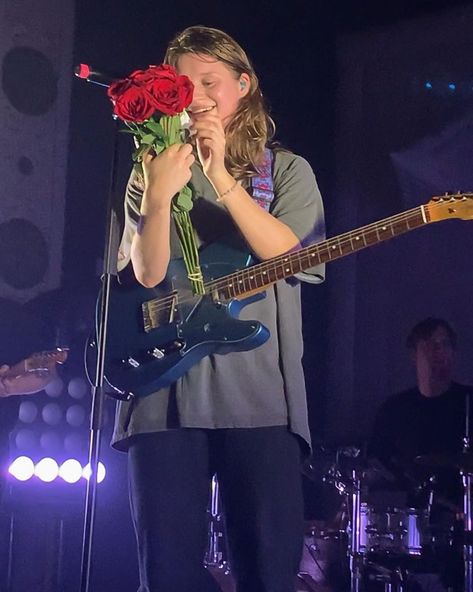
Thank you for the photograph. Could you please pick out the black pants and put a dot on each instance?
(260, 485)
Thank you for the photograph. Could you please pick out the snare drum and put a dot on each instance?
(395, 531)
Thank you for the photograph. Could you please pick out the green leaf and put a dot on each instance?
(183, 200)
(148, 139)
(155, 127)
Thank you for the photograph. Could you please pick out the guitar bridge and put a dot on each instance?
(159, 311)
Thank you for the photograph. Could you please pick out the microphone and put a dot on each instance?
(89, 74)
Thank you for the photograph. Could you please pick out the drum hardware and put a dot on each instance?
(215, 556)
(394, 580)
(378, 541)
(462, 462)
(467, 480)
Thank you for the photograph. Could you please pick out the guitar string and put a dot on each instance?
(161, 304)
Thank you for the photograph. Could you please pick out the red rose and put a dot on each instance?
(171, 96)
(134, 104)
(158, 88)
(117, 88)
(153, 72)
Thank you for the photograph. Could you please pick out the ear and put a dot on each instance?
(245, 84)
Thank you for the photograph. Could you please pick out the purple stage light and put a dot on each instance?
(22, 468)
(101, 472)
(50, 442)
(28, 412)
(52, 414)
(55, 387)
(47, 470)
(70, 470)
(75, 415)
(77, 388)
(26, 440)
(75, 443)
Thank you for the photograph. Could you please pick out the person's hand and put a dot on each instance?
(26, 383)
(166, 174)
(209, 135)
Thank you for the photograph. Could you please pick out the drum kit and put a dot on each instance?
(379, 539)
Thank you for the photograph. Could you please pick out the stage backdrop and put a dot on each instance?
(404, 134)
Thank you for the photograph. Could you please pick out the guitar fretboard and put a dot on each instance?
(262, 275)
(258, 277)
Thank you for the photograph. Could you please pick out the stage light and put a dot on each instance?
(70, 470)
(428, 85)
(452, 86)
(101, 472)
(52, 414)
(77, 388)
(47, 470)
(50, 442)
(55, 387)
(75, 415)
(75, 443)
(27, 412)
(22, 468)
(26, 440)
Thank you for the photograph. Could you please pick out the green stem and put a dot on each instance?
(189, 249)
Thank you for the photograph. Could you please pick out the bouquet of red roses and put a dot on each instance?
(152, 103)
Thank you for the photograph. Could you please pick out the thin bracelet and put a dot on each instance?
(232, 188)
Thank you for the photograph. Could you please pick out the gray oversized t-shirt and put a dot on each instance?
(261, 387)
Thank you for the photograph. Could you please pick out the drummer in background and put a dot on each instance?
(418, 434)
(428, 419)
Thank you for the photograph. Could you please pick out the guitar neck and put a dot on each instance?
(260, 276)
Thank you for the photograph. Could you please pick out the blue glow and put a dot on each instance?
(428, 85)
(452, 86)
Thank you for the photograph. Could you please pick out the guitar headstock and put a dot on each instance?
(45, 359)
(457, 205)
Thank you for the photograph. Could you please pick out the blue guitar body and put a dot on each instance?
(140, 361)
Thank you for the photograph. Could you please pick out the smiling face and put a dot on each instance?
(217, 88)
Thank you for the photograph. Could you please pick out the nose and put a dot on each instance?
(199, 98)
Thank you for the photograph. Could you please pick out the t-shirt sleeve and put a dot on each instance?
(133, 196)
(298, 203)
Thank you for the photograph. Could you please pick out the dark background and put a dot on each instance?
(346, 85)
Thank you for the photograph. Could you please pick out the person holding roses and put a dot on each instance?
(242, 415)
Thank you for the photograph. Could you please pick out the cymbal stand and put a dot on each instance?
(351, 488)
(467, 480)
(215, 556)
(356, 558)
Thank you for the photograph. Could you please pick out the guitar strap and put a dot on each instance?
(262, 186)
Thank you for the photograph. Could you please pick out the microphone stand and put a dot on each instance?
(98, 391)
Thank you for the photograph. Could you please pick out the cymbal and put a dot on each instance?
(462, 461)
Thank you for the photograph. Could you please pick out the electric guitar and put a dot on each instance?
(37, 366)
(154, 335)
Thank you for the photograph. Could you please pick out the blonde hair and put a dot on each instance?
(251, 127)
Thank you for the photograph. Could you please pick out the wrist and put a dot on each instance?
(222, 197)
(220, 180)
(155, 205)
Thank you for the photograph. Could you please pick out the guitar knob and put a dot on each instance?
(132, 362)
